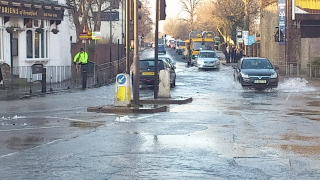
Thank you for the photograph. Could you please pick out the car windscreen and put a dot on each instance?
(256, 64)
(202, 46)
(149, 64)
(207, 55)
(182, 43)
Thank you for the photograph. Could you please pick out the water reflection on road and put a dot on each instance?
(227, 132)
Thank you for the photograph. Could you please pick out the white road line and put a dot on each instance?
(22, 129)
(11, 154)
(144, 117)
(68, 119)
(288, 97)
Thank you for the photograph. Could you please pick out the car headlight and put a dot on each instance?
(274, 75)
(244, 75)
(216, 62)
(200, 61)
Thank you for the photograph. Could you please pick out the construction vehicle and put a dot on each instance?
(181, 47)
(185, 52)
(198, 40)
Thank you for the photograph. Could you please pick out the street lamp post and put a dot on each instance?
(128, 3)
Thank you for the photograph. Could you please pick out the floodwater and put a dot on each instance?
(226, 132)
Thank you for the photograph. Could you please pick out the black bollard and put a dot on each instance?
(84, 75)
(44, 80)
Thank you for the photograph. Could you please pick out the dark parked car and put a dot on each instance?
(147, 71)
(255, 72)
(161, 49)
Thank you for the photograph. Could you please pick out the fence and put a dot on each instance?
(58, 78)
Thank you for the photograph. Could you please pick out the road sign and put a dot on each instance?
(108, 15)
(85, 35)
(251, 40)
(121, 79)
(245, 35)
(96, 35)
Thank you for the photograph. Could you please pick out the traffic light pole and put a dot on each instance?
(156, 42)
(136, 67)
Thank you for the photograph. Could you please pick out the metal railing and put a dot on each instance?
(59, 78)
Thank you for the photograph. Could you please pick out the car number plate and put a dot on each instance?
(260, 81)
(147, 73)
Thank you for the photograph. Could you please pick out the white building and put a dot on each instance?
(28, 24)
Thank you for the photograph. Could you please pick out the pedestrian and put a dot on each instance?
(227, 54)
(238, 56)
(81, 58)
(232, 54)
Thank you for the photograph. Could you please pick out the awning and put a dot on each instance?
(49, 10)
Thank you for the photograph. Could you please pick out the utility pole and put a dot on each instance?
(128, 4)
(136, 64)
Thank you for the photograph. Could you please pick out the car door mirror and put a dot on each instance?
(276, 67)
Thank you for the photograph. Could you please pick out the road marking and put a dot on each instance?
(144, 117)
(288, 97)
(51, 127)
(68, 119)
(11, 154)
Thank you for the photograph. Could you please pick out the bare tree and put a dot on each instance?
(145, 24)
(205, 19)
(181, 30)
(82, 11)
(190, 6)
(228, 15)
(170, 26)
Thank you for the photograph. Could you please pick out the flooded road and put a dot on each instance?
(227, 132)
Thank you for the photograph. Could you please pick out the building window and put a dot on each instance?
(29, 44)
(37, 42)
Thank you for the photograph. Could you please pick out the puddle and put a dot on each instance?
(314, 103)
(84, 124)
(300, 149)
(18, 143)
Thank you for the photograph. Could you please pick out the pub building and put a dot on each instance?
(34, 32)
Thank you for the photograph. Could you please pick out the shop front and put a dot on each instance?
(33, 32)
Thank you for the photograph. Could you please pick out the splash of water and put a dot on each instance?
(295, 85)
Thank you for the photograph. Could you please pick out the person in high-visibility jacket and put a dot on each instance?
(81, 57)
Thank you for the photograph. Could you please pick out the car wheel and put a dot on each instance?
(173, 84)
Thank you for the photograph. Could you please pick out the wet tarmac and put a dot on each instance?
(227, 132)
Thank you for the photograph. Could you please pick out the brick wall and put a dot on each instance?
(268, 47)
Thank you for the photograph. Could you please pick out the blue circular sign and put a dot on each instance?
(121, 79)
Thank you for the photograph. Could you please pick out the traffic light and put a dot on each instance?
(162, 9)
(139, 7)
(142, 37)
